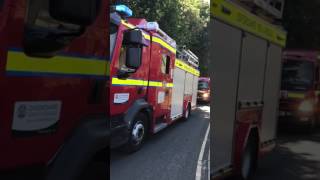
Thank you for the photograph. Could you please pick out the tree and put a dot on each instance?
(183, 20)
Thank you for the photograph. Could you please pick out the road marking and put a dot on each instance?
(200, 158)
(209, 163)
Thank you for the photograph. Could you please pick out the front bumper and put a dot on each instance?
(296, 119)
(119, 133)
(201, 98)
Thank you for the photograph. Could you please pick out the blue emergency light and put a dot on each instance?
(124, 10)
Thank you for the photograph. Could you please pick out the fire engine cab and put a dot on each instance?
(53, 76)
(299, 100)
(150, 87)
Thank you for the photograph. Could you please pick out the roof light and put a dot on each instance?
(124, 10)
(154, 26)
(150, 26)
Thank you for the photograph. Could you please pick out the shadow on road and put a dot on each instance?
(202, 113)
(297, 157)
(168, 155)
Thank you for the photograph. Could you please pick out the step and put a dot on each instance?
(159, 127)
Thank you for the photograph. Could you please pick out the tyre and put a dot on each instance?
(187, 113)
(249, 159)
(138, 132)
(311, 127)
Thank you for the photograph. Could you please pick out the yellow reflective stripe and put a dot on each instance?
(241, 18)
(155, 84)
(129, 82)
(296, 95)
(19, 62)
(169, 85)
(127, 24)
(146, 36)
(154, 39)
(164, 44)
(136, 82)
(180, 64)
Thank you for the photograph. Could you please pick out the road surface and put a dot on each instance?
(297, 157)
(171, 154)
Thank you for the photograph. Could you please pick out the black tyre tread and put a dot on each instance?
(129, 147)
(252, 143)
(189, 108)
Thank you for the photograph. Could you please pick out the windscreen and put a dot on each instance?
(44, 35)
(113, 37)
(297, 75)
(203, 85)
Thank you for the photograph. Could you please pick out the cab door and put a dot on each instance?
(4, 11)
(167, 78)
(160, 77)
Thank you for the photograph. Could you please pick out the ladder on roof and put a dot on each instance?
(189, 57)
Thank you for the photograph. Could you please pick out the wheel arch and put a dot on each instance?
(139, 106)
(254, 133)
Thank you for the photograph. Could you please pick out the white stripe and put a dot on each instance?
(200, 158)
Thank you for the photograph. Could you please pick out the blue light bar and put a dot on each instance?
(124, 10)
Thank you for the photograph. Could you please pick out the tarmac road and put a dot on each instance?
(172, 154)
(297, 157)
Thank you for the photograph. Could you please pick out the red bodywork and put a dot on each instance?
(292, 97)
(149, 72)
(248, 121)
(204, 94)
(74, 92)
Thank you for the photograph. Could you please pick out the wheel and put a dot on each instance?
(138, 132)
(187, 113)
(311, 127)
(249, 159)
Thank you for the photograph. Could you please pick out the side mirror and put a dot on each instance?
(79, 12)
(133, 37)
(133, 57)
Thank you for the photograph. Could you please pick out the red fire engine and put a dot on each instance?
(53, 75)
(299, 103)
(246, 61)
(150, 87)
(204, 90)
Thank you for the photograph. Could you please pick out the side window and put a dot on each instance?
(122, 57)
(168, 65)
(1, 4)
(45, 35)
(165, 64)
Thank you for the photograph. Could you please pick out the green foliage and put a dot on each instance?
(184, 20)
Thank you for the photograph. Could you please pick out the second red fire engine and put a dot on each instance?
(150, 88)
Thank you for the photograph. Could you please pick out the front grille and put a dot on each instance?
(289, 104)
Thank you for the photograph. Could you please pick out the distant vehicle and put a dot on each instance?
(203, 89)
(299, 100)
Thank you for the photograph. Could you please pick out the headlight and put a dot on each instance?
(306, 106)
(205, 95)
